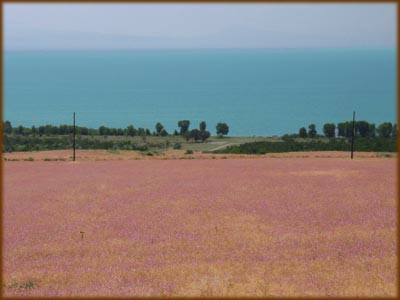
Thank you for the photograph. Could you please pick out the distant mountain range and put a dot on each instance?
(233, 38)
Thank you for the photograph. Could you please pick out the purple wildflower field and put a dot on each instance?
(202, 227)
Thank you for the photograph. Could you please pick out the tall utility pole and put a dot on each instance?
(73, 156)
(352, 135)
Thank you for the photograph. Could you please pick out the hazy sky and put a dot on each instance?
(130, 26)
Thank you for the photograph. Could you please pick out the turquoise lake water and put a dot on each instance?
(256, 92)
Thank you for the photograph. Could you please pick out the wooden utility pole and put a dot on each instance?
(352, 135)
(73, 156)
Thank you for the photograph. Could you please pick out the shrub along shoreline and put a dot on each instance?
(368, 138)
(376, 144)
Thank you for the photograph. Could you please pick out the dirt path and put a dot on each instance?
(224, 146)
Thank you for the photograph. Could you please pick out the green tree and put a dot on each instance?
(131, 131)
(203, 126)
(113, 131)
(349, 129)
(27, 131)
(163, 132)
(63, 129)
(329, 130)
(184, 126)
(19, 130)
(187, 135)
(372, 130)
(102, 130)
(41, 130)
(48, 129)
(385, 129)
(341, 129)
(159, 128)
(302, 132)
(222, 129)
(195, 134)
(311, 131)
(83, 130)
(362, 128)
(204, 134)
(69, 129)
(7, 128)
(345, 129)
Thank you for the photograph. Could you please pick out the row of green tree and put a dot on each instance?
(16, 143)
(48, 130)
(367, 144)
(344, 129)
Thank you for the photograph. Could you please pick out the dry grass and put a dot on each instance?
(102, 155)
(203, 227)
